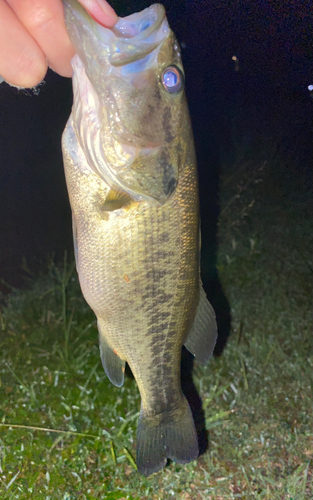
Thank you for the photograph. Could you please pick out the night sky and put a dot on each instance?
(273, 43)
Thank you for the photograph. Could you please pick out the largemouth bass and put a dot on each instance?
(131, 175)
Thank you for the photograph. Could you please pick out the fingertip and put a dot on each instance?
(101, 12)
(62, 65)
(65, 70)
(27, 76)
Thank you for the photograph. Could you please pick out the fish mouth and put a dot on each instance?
(140, 25)
(137, 35)
(132, 38)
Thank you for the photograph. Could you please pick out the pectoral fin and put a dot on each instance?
(113, 365)
(116, 199)
(203, 333)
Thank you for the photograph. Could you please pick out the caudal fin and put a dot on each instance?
(171, 435)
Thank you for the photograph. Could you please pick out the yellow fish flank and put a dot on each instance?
(131, 175)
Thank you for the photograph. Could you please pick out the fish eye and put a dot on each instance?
(172, 79)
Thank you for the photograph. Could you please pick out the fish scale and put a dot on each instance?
(136, 232)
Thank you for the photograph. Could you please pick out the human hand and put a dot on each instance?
(33, 36)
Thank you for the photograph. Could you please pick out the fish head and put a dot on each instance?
(129, 113)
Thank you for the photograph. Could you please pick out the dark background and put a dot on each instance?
(271, 39)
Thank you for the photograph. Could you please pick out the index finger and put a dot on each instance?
(44, 21)
(22, 62)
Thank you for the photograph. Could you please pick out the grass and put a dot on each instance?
(66, 433)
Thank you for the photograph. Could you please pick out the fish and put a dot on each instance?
(131, 175)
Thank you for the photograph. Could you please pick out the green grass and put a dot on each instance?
(66, 433)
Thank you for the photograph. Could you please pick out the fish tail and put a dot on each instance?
(173, 437)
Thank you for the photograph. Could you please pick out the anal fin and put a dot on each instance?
(202, 336)
(113, 365)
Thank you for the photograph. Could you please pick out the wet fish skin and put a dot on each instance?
(131, 175)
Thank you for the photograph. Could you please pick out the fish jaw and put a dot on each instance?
(139, 147)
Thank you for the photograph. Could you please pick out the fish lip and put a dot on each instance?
(125, 28)
(125, 23)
